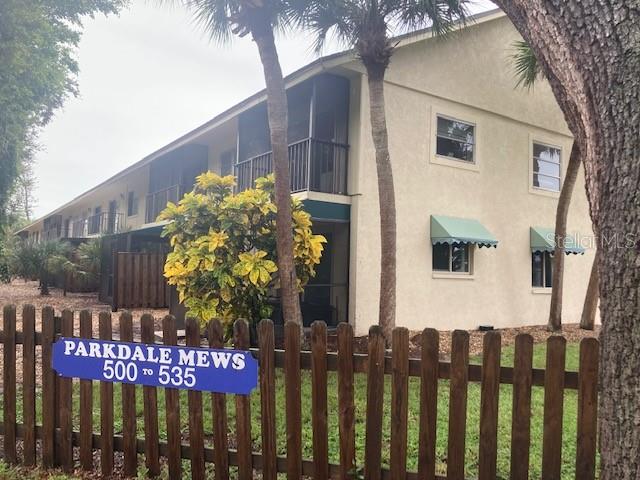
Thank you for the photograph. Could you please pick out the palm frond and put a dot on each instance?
(526, 66)
(441, 15)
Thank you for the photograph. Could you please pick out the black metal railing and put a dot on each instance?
(105, 223)
(157, 201)
(314, 165)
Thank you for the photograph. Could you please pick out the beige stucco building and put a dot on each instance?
(470, 152)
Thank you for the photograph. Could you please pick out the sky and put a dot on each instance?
(146, 77)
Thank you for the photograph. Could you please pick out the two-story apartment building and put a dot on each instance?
(476, 162)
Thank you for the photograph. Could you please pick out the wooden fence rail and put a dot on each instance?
(58, 438)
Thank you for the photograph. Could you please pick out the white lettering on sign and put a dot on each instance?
(154, 354)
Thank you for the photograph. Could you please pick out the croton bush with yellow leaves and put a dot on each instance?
(223, 259)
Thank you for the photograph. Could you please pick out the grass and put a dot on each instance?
(12, 472)
(473, 412)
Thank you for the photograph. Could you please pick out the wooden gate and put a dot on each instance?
(139, 281)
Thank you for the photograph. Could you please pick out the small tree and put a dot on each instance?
(224, 260)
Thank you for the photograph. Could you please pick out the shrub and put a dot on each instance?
(223, 259)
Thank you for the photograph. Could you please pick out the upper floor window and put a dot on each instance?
(455, 258)
(132, 204)
(546, 167)
(455, 139)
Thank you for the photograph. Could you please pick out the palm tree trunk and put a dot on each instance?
(590, 307)
(555, 312)
(386, 195)
(277, 113)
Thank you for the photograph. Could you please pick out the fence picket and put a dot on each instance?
(553, 408)
(292, 380)
(430, 348)
(243, 410)
(9, 384)
(106, 404)
(172, 407)
(29, 384)
(319, 418)
(266, 344)
(399, 402)
(458, 404)
(489, 396)
(144, 268)
(587, 409)
(66, 402)
(375, 404)
(150, 401)
(196, 427)
(346, 406)
(521, 411)
(48, 389)
(86, 402)
(130, 464)
(219, 409)
(153, 279)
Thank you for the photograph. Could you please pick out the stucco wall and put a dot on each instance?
(470, 78)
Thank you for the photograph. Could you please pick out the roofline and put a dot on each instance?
(318, 65)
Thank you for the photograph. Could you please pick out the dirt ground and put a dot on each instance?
(20, 293)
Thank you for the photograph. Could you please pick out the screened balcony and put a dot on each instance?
(317, 133)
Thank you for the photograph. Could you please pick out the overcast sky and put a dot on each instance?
(146, 77)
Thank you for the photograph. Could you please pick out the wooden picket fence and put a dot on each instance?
(139, 281)
(56, 437)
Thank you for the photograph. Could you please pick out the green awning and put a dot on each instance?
(452, 230)
(543, 240)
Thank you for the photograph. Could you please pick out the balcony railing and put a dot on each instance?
(157, 201)
(314, 165)
(105, 223)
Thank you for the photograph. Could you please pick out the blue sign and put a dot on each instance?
(204, 369)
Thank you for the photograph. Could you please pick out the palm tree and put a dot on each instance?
(527, 72)
(259, 18)
(365, 25)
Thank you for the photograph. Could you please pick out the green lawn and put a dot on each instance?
(504, 424)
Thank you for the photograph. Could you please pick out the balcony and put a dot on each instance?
(106, 223)
(314, 165)
(157, 201)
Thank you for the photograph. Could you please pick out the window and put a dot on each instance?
(132, 204)
(227, 159)
(546, 167)
(455, 258)
(541, 269)
(455, 139)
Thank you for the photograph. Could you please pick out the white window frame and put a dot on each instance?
(449, 273)
(533, 139)
(457, 115)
